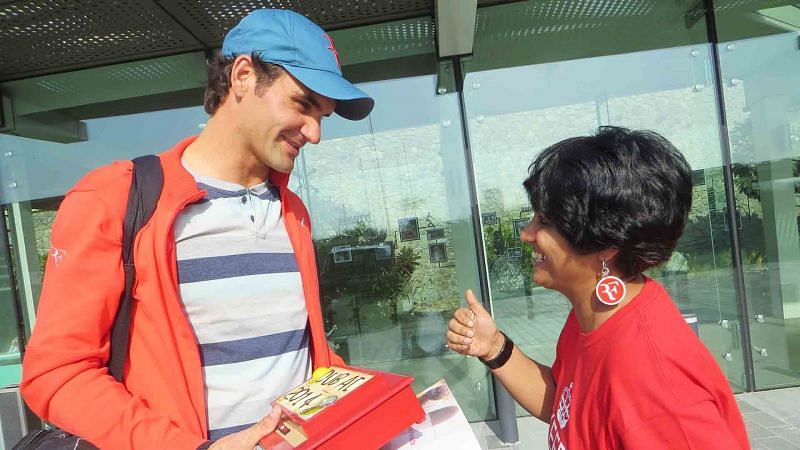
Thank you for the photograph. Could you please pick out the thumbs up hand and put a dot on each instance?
(472, 331)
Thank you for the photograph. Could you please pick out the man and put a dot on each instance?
(227, 312)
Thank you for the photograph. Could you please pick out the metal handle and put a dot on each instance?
(333, 328)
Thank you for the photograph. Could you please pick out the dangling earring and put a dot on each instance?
(610, 290)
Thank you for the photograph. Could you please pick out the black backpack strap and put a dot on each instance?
(146, 184)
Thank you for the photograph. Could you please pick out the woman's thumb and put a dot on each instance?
(472, 302)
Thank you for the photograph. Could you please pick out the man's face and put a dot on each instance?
(280, 119)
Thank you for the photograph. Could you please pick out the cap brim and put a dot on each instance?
(351, 102)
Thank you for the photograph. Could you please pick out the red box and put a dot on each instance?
(365, 418)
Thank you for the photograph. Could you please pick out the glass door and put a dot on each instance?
(558, 78)
(760, 63)
(10, 363)
(393, 230)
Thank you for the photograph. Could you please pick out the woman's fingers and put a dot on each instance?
(462, 330)
(460, 336)
(459, 348)
(458, 327)
(455, 338)
(465, 317)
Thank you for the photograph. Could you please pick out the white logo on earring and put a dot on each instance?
(610, 289)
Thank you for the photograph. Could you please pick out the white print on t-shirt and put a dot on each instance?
(559, 420)
(57, 255)
(563, 406)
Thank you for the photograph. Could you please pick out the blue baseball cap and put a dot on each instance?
(304, 50)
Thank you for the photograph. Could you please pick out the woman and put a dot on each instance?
(628, 373)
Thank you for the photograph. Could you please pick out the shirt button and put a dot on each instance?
(244, 199)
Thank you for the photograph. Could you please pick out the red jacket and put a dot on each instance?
(162, 402)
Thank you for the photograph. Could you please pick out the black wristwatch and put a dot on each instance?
(502, 357)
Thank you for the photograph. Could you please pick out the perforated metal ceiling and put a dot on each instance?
(47, 36)
(540, 31)
(550, 16)
(209, 20)
(38, 36)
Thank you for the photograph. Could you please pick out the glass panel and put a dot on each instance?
(525, 102)
(34, 169)
(10, 369)
(36, 173)
(761, 71)
(394, 237)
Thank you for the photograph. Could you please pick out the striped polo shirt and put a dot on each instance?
(241, 290)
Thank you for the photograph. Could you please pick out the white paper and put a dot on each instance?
(445, 425)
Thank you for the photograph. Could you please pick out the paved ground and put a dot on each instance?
(772, 419)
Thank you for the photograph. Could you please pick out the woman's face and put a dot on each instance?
(556, 264)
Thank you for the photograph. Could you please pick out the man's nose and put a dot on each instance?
(312, 130)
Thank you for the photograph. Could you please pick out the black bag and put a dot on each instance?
(146, 184)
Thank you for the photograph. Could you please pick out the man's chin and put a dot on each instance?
(287, 169)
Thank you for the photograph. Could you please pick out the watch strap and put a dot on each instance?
(502, 357)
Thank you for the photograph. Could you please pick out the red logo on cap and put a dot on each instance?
(333, 49)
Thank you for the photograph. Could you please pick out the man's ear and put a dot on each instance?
(242, 74)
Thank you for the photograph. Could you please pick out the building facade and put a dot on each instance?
(424, 198)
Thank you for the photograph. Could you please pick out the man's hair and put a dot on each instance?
(219, 78)
(623, 189)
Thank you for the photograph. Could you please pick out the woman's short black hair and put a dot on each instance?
(623, 189)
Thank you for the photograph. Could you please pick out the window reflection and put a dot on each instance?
(394, 237)
(633, 90)
(762, 103)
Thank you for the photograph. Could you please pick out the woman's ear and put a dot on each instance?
(607, 255)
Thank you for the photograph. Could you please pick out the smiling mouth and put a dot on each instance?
(538, 257)
(295, 146)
